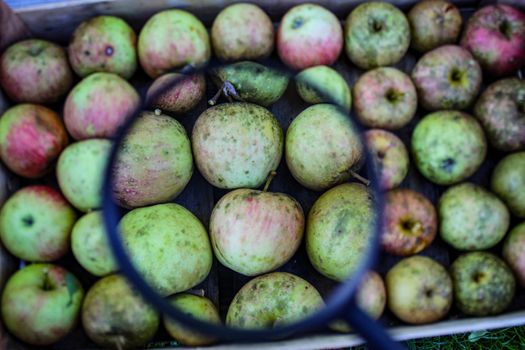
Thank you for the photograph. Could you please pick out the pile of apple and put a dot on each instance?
(238, 145)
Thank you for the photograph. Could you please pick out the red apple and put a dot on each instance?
(31, 139)
(309, 35)
(514, 251)
(183, 95)
(495, 35)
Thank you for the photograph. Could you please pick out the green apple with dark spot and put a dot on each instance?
(41, 303)
(483, 284)
(419, 290)
(508, 182)
(448, 146)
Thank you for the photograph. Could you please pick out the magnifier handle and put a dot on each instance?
(375, 335)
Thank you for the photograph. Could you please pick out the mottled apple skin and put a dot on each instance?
(168, 245)
(495, 35)
(390, 157)
(273, 300)
(31, 139)
(322, 84)
(90, 245)
(385, 98)
(175, 93)
(154, 163)
(514, 251)
(237, 144)
(447, 78)
(322, 147)
(434, 23)
(35, 71)
(508, 182)
(99, 105)
(471, 218)
(309, 35)
(252, 81)
(409, 222)
(419, 290)
(172, 39)
(501, 111)
(339, 228)
(115, 316)
(41, 303)
(242, 32)
(254, 232)
(448, 146)
(196, 306)
(103, 44)
(80, 172)
(483, 284)
(35, 224)
(376, 34)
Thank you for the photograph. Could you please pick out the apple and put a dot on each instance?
(242, 31)
(176, 93)
(501, 111)
(447, 78)
(80, 172)
(31, 138)
(195, 306)
(514, 251)
(448, 146)
(472, 218)
(41, 303)
(390, 157)
(168, 245)
(434, 23)
(323, 148)
(36, 223)
(103, 44)
(99, 105)
(90, 245)
(253, 232)
(508, 182)
(419, 290)
(273, 300)
(237, 145)
(376, 34)
(409, 222)
(320, 84)
(495, 35)
(172, 39)
(483, 284)
(115, 316)
(385, 98)
(309, 35)
(339, 230)
(154, 163)
(35, 71)
(249, 82)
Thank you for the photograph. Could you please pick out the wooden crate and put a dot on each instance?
(56, 21)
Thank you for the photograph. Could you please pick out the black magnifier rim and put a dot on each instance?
(340, 300)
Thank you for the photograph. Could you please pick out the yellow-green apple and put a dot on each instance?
(508, 182)
(514, 251)
(176, 93)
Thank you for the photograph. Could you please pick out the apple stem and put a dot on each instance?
(228, 90)
(269, 180)
(355, 175)
(119, 342)
(157, 112)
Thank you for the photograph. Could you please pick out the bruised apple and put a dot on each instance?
(176, 93)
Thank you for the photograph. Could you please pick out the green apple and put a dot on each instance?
(472, 218)
(514, 251)
(272, 300)
(115, 316)
(168, 245)
(483, 284)
(508, 182)
(90, 245)
(195, 306)
(36, 223)
(41, 303)
(339, 229)
(419, 290)
(80, 172)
